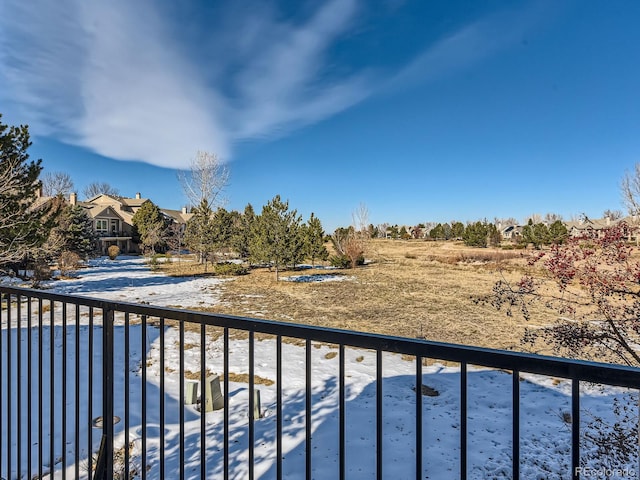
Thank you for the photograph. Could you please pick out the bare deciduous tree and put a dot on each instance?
(551, 217)
(205, 180)
(503, 222)
(98, 188)
(630, 187)
(56, 183)
(612, 214)
(155, 235)
(534, 218)
(175, 238)
(353, 242)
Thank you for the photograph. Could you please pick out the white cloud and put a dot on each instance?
(111, 77)
(124, 80)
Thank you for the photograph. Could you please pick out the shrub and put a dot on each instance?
(343, 261)
(41, 271)
(113, 251)
(228, 268)
(68, 262)
(340, 261)
(153, 262)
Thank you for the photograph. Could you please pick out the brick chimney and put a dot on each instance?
(73, 198)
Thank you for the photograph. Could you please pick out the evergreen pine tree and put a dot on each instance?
(437, 232)
(242, 233)
(76, 229)
(536, 234)
(558, 232)
(314, 240)
(150, 225)
(276, 238)
(198, 234)
(221, 230)
(25, 222)
(476, 234)
(457, 229)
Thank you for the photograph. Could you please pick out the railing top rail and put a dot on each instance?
(610, 374)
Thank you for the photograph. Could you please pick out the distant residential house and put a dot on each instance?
(587, 226)
(113, 219)
(180, 217)
(511, 232)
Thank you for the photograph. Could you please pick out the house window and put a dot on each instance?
(101, 225)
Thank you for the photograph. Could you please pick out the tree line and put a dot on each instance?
(276, 237)
(477, 234)
(35, 233)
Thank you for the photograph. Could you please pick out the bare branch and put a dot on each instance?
(205, 180)
(56, 183)
(630, 187)
(98, 188)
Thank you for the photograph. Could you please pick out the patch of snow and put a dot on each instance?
(327, 277)
(130, 279)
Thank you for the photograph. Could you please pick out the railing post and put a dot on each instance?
(104, 467)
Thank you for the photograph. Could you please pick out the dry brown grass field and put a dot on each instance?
(408, 288)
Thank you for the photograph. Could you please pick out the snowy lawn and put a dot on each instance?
(545, 402)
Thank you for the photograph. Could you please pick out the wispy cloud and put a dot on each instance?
(121, 79)
(467, 46)
(112, 78)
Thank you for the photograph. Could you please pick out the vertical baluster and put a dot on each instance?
(162, 393)
(143, 460)
(77, 393)
(29, 392)
(19, 378)
(90, 397)
(463, 421)
(251, 405)
(19, 385)
(40, 396)
(308, 393)
(226, 403)
(9, 389)
(343, 405)
(107, 392)
(418, 417)
(52, 387)
(127, 353)
(379, 438)
(203, 413)
(181, 360)
(279, 407)
(516, 423)
(575, 428)
(64, 391)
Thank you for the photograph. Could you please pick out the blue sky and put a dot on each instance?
(422, 111)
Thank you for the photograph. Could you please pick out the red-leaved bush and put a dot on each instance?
(593, 282)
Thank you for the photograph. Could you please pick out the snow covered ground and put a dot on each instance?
(545, 402)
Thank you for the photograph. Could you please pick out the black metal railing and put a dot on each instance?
(66, 412)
